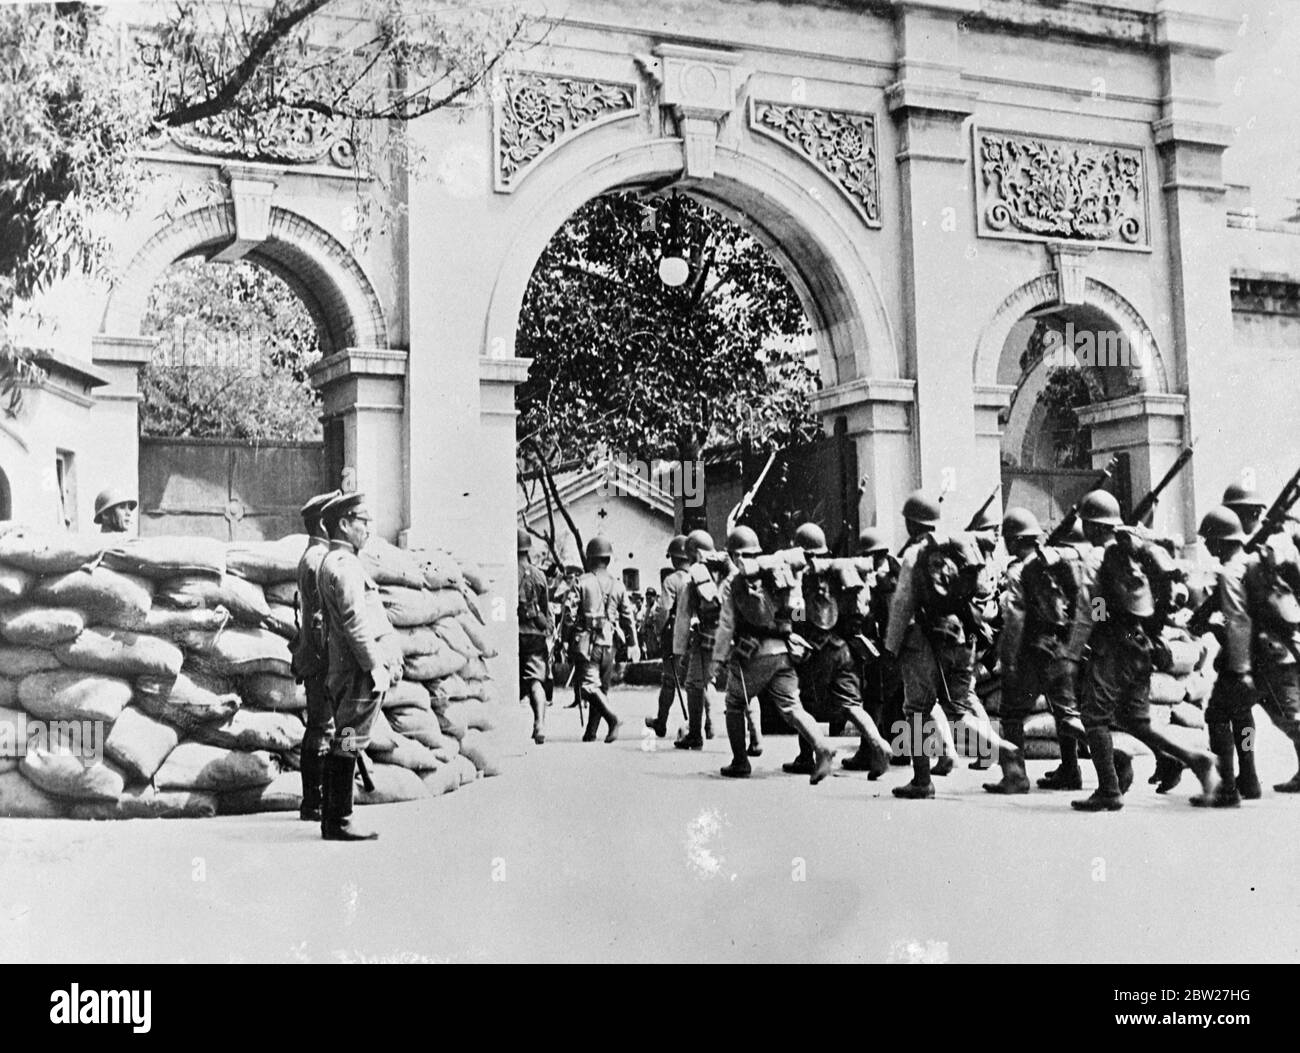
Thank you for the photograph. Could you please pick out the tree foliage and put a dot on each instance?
(235, 344)
(624, 363)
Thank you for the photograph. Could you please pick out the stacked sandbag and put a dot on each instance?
(163, 664)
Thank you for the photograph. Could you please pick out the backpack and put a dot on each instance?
(1135, 579)
(1051, 582)
(708, 604)
(950, 586)
(763, 592)
(531, 613)
(1273, 587)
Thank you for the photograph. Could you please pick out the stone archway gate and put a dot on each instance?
(913, 164)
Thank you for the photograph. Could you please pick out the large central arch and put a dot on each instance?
(854, 336)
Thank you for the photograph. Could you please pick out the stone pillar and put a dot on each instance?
(1191, 141)
(929, 106)
(363, 391)
(1150, 429)
(496, 467)
(880, 416)
(116, 458)
(991, 401)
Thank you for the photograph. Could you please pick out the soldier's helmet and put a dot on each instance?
(1020, 523)
(677, 547)
(742, 541)
(1237, 496)
(698, 541)
(110, 499)
(921, 509)
(1075, 536)
(1221, 524)
(523, 540)
(599, 548)
(811, 538)
(986, 520)
(1098, 506)
(871, 541)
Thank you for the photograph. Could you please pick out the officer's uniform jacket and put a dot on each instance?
(360, 636)
(308, 660)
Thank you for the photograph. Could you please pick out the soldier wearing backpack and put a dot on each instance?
(536, 627)
(1037, 603)
(662, 620)
(882, 683)
(695, 628)
(833, 594)
(1272, 585)
(1123, 602)
(752, 643)
(602, 611)
(934, 624)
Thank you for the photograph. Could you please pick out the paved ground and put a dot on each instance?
(623, 852)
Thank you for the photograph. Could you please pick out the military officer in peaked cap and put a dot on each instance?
(311, 659)
(364, 661)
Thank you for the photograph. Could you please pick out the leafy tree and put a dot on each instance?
(235, 344)
(73, 115)
(623, 363)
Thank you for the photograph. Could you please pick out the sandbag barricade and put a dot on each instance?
(150, 677)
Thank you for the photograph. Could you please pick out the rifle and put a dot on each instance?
(1147, 505)
(1062, 529)
(742, 506)
(979, 512)
(1269, 525)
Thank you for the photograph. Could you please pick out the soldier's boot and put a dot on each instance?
(1243, 737)
(753, 728)
(610, 718)
(336, 807)
(823, 754)
(313, 775)
(593, 719)
(803, 763)
(1124, 769)
(1106, 797)
(920, 788)
(1226, 796)
(695, 702)
(1015, 780)
(1292, 785)
(537, 699)
(739, 767)
(708, 718)
(1066, 776)
(659, 723)
(1168, 773)
(873, 750)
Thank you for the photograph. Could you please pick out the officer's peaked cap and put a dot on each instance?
(313, 508)
(337, 507)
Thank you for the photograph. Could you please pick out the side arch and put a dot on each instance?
(1044, 291)
(319, 268)
(805, 232)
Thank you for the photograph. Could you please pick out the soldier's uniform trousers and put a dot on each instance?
(934, 669)
(695, 665)
(1279, 687)
(1036, 674)
(768, 677)
(534, 664)
(670, 680)
(591, 680)
(354, 702)
(320, 715)
(828, 677)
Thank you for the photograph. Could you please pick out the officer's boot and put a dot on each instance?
(873, 751)
(1014, 778)
(1106, 797)
(1243, 737)
(739, 767)
(695, 702)
(803, 762)
(313, 774)
(1292, 785)
(823, 754)
(594, 710)
(1067, 775)
(336, 809)
(1226, 796)
(920, 788)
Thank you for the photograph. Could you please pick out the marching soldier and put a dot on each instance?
(602, 609)
(536, 627)
(311, 659)
(825, 666)
(115, 511)
(1228, 714)
(882, 683)
(665, 613)
(1041, 586)
(933, 627)
(1117, 614)
(695, 629)
(752, 644)
(364, 661)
